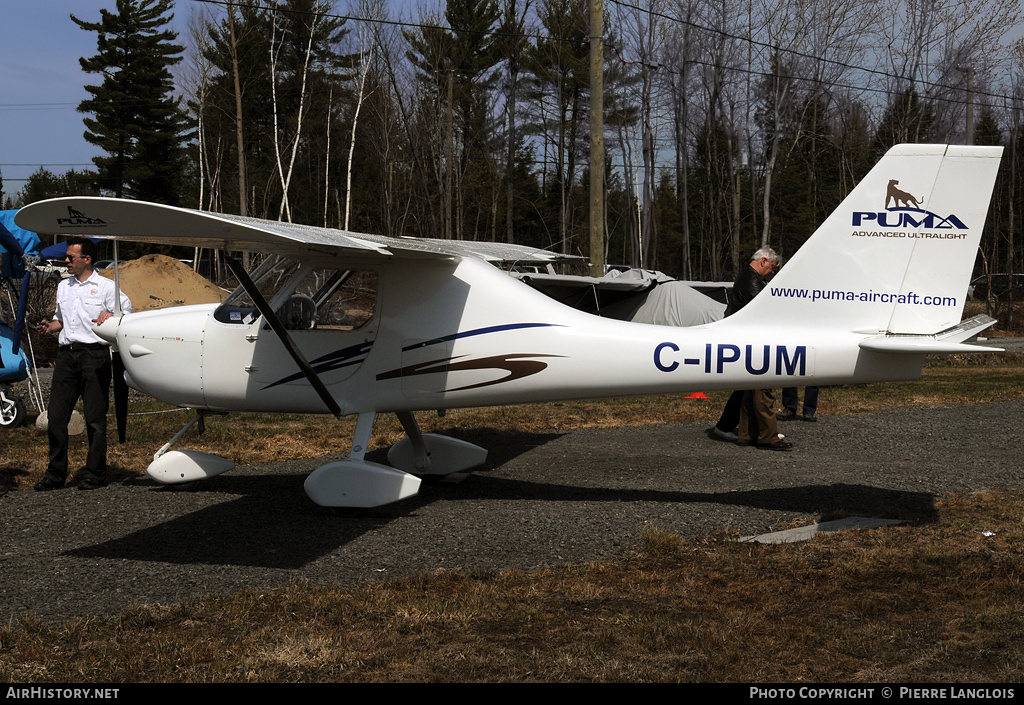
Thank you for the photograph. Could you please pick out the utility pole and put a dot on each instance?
(596, 139)
(242, 190)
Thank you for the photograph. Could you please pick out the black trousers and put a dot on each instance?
(78, 374)
(730, 418)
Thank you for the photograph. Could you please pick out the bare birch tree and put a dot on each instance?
(274, 53)
(643, 34)
(365, 40)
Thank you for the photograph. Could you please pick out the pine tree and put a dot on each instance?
(44, 184)
(456, 67)
(135, 119)
(907, 119)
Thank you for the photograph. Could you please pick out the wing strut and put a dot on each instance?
(275, 323)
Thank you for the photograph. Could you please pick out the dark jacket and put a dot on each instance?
(747, 285)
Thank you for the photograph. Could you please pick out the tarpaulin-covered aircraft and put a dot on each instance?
(349, 323)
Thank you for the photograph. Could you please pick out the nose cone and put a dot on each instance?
(108, 329)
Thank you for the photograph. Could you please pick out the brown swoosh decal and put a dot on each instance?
(512, 363)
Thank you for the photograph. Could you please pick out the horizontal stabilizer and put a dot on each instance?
(966, 329)
(921, 345)
(944, 342)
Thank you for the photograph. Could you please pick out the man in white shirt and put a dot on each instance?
(82, 368)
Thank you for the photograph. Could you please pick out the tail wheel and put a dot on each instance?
(12, 411)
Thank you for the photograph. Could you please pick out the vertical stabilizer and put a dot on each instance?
(897, 254)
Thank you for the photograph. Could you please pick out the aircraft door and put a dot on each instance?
(330, 315)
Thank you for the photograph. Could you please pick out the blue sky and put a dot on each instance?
(42, 84)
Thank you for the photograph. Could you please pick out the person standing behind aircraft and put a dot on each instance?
(791, 399)
(751, 280)
(751, 409)
(82, 368)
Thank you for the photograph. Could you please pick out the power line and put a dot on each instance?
(375, 20)
(677, 20)
(37, 106)
(535, 35)
(803, 55)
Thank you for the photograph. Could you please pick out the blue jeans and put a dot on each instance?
(791, 398)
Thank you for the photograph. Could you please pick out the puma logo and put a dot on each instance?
(902, 198)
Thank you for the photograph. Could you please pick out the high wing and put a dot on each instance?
(139, 221)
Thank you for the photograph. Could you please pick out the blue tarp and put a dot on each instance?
(61, 248)
(14, 365)
(29, 241)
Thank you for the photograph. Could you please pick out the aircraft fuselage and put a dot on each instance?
(447, 334)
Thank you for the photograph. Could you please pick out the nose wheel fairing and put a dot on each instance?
(180, 466)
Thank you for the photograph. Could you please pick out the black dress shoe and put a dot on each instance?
(47, 484)
(777, 445)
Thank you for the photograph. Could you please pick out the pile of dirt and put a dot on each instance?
(159, 281)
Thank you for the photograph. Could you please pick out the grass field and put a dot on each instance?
(938, 601)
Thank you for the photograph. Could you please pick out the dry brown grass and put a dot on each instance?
(936, 602)
(1009, 315)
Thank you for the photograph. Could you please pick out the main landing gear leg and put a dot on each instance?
(432, 454)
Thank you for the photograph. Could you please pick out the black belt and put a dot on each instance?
(83, 346)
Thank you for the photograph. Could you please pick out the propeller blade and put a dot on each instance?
(120, 398)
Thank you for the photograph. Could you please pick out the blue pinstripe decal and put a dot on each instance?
(479, 331)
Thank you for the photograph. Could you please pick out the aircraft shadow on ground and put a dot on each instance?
(273, 524)
(826, 501)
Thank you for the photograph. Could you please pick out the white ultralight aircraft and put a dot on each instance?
(349, 323)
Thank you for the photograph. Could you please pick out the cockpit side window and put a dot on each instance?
(338, 299)
(306, 298)
(269, 277)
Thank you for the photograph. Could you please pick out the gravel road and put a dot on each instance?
(542, 499)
